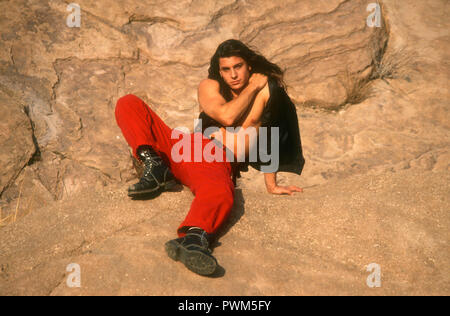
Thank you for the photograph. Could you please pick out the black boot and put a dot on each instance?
(156, 174)
(192, 250)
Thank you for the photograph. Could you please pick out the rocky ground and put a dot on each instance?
(373, 110)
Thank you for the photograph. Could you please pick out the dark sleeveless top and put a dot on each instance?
(279, 112)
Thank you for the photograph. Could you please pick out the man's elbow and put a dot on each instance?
(225, 118)
(227, 121)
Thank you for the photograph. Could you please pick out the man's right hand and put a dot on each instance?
(259, 81)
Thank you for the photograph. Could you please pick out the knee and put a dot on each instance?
(125, 102)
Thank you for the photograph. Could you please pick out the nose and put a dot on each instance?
(233, 74)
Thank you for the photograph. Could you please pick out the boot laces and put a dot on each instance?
(150, 161)
(203, 239)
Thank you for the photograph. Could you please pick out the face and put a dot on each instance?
(235, 72)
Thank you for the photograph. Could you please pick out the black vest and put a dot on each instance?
(279, 112)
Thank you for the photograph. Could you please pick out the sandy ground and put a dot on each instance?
(323, 245)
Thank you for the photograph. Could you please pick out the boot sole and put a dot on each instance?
(195, 260)
(169, 185)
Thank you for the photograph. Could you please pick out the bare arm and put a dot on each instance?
(243, 138)
(252, 117)
(227, 113)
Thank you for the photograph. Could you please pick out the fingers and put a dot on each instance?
(285, 191)
(289, 190)
(294, 188)
(258, 75)
(259, 79)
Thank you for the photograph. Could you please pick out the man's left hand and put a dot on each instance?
(280, 190)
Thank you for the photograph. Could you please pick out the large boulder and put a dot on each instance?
(325, 47)
(70, 78)
(16, 139)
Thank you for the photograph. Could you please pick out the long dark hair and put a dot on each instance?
(255, 60)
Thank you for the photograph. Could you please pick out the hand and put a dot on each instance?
(258, 80)
(279, 190)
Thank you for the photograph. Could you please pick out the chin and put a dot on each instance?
(238, 87)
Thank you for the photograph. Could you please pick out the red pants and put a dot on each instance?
(210, 182)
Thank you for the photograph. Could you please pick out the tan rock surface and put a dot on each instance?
(373, 111)
(16, 139)
(318, 242)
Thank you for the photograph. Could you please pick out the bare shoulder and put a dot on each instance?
(209, 96)
(208, 85)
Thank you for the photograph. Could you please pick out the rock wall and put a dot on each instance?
(69, 79)
(16, 139)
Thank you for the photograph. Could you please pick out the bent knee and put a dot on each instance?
(128, 101)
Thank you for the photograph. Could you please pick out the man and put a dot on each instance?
(229, 98)
(236, 93)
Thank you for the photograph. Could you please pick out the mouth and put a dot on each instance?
(234, 83)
